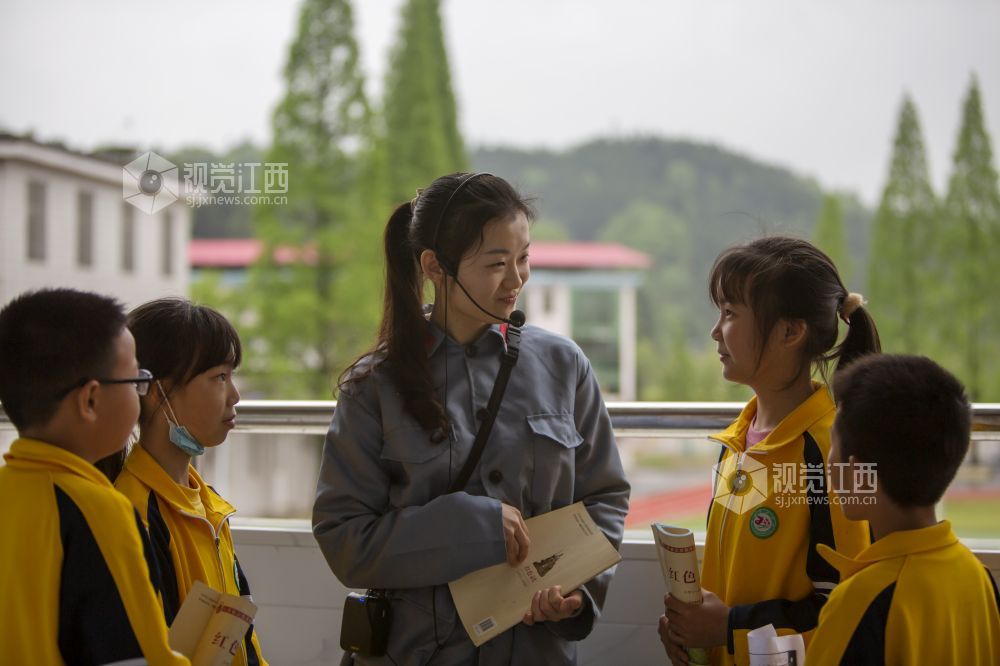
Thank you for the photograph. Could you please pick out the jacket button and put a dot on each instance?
(496, 476)
(471, 351)
(482, 413)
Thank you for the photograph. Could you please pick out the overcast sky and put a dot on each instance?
(813, 85)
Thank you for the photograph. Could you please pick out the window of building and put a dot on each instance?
(85, 229)
(36, 221)
(595, 329)
(167, 246)
(128, 238)
(548, 299)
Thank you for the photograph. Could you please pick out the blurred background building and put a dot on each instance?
(586, 291)
(64, 223)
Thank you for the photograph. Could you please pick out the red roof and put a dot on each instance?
(235, 252)
(223, 252)
(587, 255)
(241, 252)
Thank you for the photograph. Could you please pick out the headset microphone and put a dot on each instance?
(516, 318)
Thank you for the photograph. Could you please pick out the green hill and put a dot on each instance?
(681, 202)
(721, 196)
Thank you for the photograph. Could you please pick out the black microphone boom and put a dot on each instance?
(516, 318)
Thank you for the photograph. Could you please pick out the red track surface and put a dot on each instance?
(684, 502)
(680, 502)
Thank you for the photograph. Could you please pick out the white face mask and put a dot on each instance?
(178, 434)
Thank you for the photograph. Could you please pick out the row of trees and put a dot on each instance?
(349, 160)
(930, 282)
(931, 285)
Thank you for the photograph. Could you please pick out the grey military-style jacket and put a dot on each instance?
(383, 519)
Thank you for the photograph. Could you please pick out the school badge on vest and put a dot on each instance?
(763, 522)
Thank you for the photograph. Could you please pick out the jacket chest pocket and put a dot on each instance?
(418, 468)
(554, 444)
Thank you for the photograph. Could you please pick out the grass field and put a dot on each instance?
(974, 518)
(971, 517)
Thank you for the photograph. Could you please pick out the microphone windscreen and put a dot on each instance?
(517, 318)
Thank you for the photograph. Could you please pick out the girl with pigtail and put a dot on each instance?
(781, 303)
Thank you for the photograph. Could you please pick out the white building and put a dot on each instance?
(585, 291)
(64, 223)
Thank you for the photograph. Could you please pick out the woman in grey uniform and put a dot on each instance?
(408, 413)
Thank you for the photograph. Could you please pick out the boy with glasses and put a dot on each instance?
(76, 582)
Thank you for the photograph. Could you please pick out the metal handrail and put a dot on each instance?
(631, 417)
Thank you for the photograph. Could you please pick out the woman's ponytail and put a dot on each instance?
(402, 287)
(400, 336)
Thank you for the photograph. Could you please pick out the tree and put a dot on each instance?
(972, 212)
(549, 230)
(677, 369)
(902, 239)
(651, 228)
(664, 297)
(312, 299)
(420, 134)
(831, 237)
(211, 220)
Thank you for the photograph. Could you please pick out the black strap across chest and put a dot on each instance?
(507, 362)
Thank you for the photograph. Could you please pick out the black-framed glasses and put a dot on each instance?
(141, 382)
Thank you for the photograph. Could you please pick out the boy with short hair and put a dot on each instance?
(76, 579)
(916, 595)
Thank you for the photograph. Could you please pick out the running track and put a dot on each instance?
(684, 502)
(675, 503)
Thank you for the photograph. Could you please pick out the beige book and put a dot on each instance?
(567, 549)
(210, 626)
(678, 561)
(679, 564)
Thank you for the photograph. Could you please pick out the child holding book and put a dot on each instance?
(780, 304)
(192, 351)
(916, 595)
(77, 584)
